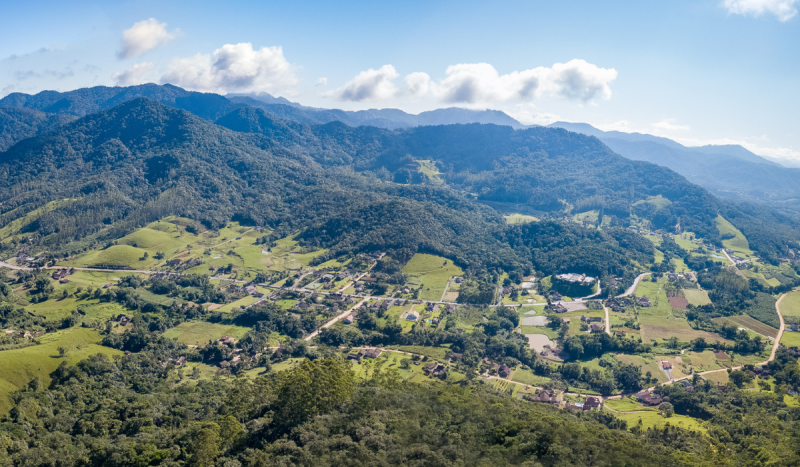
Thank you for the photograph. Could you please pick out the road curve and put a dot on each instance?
(633, 287)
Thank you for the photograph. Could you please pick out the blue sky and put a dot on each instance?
(700, 72)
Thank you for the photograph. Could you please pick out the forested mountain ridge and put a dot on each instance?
(17, 124)
(544, 168)
(729, 171)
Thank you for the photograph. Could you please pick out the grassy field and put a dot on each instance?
(527, 377)
(658, 321)
(627, 404)
(431, 271)
(429, 169)
(791, 339)
(654, 420)
(790, 305)
(657, 201)
(200, 332)
(244, 302)
(432, 352)
(646, 362)
(739, 243)
(18, 367)
(750, 324)
(513, 219)
(696, 297)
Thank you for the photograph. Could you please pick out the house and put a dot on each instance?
(250, 289)
(591, 319)
(644, 302)
(348, 319)
(544, 396)
(124, 320)
(358, 356)
(458, 280)
(649, 399)
(591, 403)
(435, 320)
(109, 285)
(227, 340)
(666, 365)
(326, 277)
(555, 296)
(596, 328)
(436, 370)
(558, 308)
(373, 353)
(412, 316)
(181, 361)
(503, 371)
(687, 385)
(303, 305)
(619, 333)
(456, 356)
(451, 308)
(672, 277)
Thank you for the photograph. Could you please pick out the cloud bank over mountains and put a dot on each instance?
(481, 84)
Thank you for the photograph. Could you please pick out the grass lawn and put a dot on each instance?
(654, 420)
(696, 297)
(19, 366)
(790, 305)
(248, 300)
(527, 377)
(540, 330)
(739, 243)
(646, 362)
(432, 352)
(791, 339)
(200, 332)
(627, 404)
(431, 271)
(719, 377)
(658, 321)
(513, 219)
(686, 244)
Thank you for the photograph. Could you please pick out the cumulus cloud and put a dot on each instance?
(369, 85)
(234, 68)
(481, 83)
(322, 82)
(137, 74)
(143, 37)
(784, 10)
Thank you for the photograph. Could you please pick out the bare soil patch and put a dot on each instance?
(680, 303)
(720, 355)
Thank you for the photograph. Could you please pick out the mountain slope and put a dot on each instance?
(17, 124)
(731, 171)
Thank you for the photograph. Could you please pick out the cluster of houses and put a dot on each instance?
(580, 279)
(674, 277)
(362, 353)
(547, 397)
(591, 321)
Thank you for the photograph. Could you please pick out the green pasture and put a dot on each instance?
(201, 332)
(739, 243)
(431, 271)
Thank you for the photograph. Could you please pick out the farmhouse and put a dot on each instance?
(436, 370)
(666, 365)
(644, 302)
(591, 319)
(544, 396)
(558, 308)
(647, 398)
(591, 403)
(596, 328)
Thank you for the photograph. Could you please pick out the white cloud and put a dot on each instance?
(143, 37)
(784, 10)
(481, 83)
(322, 82)
(368, 85)
(234, 68)
(137, 74)
(668, 124)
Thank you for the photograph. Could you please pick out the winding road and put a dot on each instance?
(633, 287)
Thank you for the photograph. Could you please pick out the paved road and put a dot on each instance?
(608, 321)
(733, 264)
(633, 287)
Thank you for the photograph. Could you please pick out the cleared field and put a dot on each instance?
(659, 322)
(791, 339)
(696, 297)
(513, 219)
(739, 243)
(244, 302)
(646, 362)
(432, 352)
(749, 323)
(627, 404)
(654, 420)
(657, 201)
(200, 332)
(431, 271)
(18, 367)
(790, 305)
(527, 377)
(719, 377)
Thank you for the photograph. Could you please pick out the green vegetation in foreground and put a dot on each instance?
(432, 272)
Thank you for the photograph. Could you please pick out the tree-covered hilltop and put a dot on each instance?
(17, 124)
